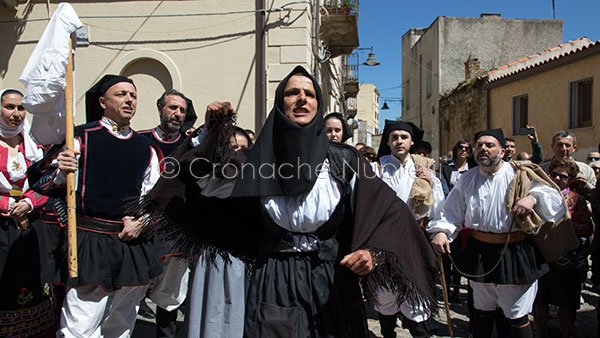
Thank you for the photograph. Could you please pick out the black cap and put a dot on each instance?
(390, 125)
(495, 133)
(93, 110)
(425, 146)
(190, 116)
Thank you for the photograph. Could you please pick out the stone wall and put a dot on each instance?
(463, 112)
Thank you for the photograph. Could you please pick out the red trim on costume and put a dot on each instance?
(4, 203)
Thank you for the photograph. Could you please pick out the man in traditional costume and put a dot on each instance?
(300, 209)
(500, 261)
(114, 166)
(413, 181)
(169, 291)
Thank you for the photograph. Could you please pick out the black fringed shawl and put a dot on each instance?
(211, 226)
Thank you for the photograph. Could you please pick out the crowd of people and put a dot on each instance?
(291, 232)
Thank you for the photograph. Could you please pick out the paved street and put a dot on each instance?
(585, 325)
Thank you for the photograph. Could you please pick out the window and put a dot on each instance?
(580, 113)
(428, 79)
(520, 115)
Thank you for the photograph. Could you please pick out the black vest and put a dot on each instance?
(111, 171)
(166, 148)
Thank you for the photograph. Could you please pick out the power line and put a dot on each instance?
(142, 16)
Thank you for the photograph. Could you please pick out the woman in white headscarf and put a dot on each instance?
(26, 306)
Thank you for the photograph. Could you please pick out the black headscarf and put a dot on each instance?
(285, 158)
(390, 126)
(346, 132)
(93, 109)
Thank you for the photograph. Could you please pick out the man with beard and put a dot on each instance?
(502, 264)
(169, 291)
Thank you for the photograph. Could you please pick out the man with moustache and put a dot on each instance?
(399, 170)
(169, 291)
(502, 263)
(115, 266)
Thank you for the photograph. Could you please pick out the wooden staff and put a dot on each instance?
(70, 143)
(445, 293)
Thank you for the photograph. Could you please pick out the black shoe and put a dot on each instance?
(145, 311)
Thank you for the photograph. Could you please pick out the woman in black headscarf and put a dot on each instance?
(336, 128)
(304, 217)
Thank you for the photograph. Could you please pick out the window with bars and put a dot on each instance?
(520, 112)
(580, 112)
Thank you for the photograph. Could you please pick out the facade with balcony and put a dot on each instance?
(235, 51)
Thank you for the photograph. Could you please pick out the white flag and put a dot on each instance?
(45, 77)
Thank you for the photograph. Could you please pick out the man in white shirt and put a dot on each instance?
(399, 170)
(502, 264)
(113, 165)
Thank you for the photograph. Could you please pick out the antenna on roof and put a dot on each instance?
(553, 9)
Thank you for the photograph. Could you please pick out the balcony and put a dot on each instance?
(351, 107)
(350, 75)
(339, 26)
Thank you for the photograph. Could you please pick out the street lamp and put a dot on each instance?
(371, 59)
(396, 100)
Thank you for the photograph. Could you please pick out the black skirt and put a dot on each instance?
(107, 261)
(27, 268)
(303, 295)
(520, 263)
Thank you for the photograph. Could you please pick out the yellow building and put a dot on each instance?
(367, 114)
(235, 51)
(552, 90)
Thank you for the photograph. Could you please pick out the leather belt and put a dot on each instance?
(498, 238)
(99, 225)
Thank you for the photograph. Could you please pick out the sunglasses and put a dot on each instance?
(559, 176)
(464, 147)
(593, 159)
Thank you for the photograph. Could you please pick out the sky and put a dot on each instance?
(381, 24)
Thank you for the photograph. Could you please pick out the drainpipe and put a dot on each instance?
(316, 39)
(421, 91)
(260, 98)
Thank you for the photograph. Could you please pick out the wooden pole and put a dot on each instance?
(445, 293)
(70, 143)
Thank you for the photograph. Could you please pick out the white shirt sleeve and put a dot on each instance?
(438, 196)
(152, 173)
(451, 214)
(198, 139)
(60, 179)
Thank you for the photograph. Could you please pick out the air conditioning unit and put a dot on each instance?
(9, 4)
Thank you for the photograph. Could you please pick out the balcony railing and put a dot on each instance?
(347, 7)
(339, 26)
(350, 75)
(351, 107)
